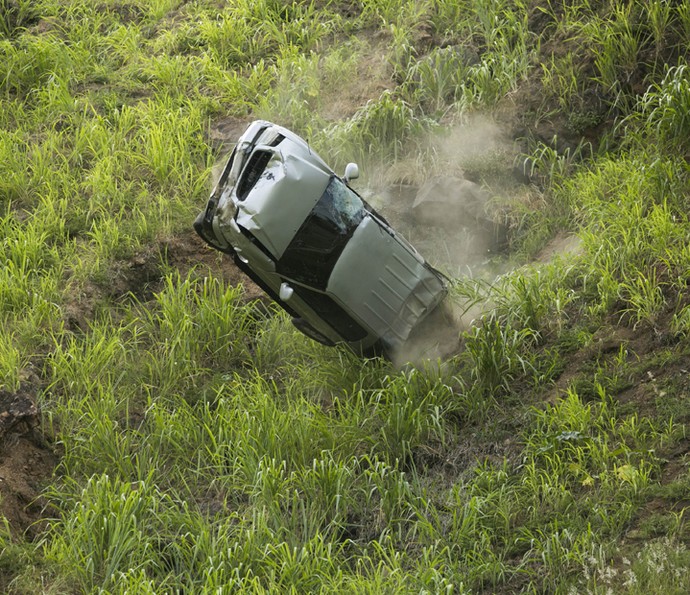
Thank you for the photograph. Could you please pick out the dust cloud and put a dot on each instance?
(448, 200)
(448, 204)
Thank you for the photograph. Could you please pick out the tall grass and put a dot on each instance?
(664, 107)
(205, 445)
(381, 131)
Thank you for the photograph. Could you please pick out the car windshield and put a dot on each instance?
(315, 249)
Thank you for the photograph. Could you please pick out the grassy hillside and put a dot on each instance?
(189, 440)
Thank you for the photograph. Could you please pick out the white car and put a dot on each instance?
(316, 247)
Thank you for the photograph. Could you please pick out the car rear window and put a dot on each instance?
(313, 252)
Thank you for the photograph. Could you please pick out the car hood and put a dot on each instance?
(282, 199)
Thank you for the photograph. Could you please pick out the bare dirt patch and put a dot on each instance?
(563, 244)
(187, 251)
(27, 462)
(143, 275)
(226, 131)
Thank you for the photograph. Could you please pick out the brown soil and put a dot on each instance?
(27, 462)
(142, 276)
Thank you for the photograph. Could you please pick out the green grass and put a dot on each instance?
(207, 446)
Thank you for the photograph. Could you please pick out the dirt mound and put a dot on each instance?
(188, 251)
(27, 462)
(143, 274)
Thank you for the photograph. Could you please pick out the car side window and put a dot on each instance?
(320, 240)
(342, 206)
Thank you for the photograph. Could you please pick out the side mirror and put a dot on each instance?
(351, 172)
(285, 292)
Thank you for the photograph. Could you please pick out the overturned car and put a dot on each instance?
(316, 247)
